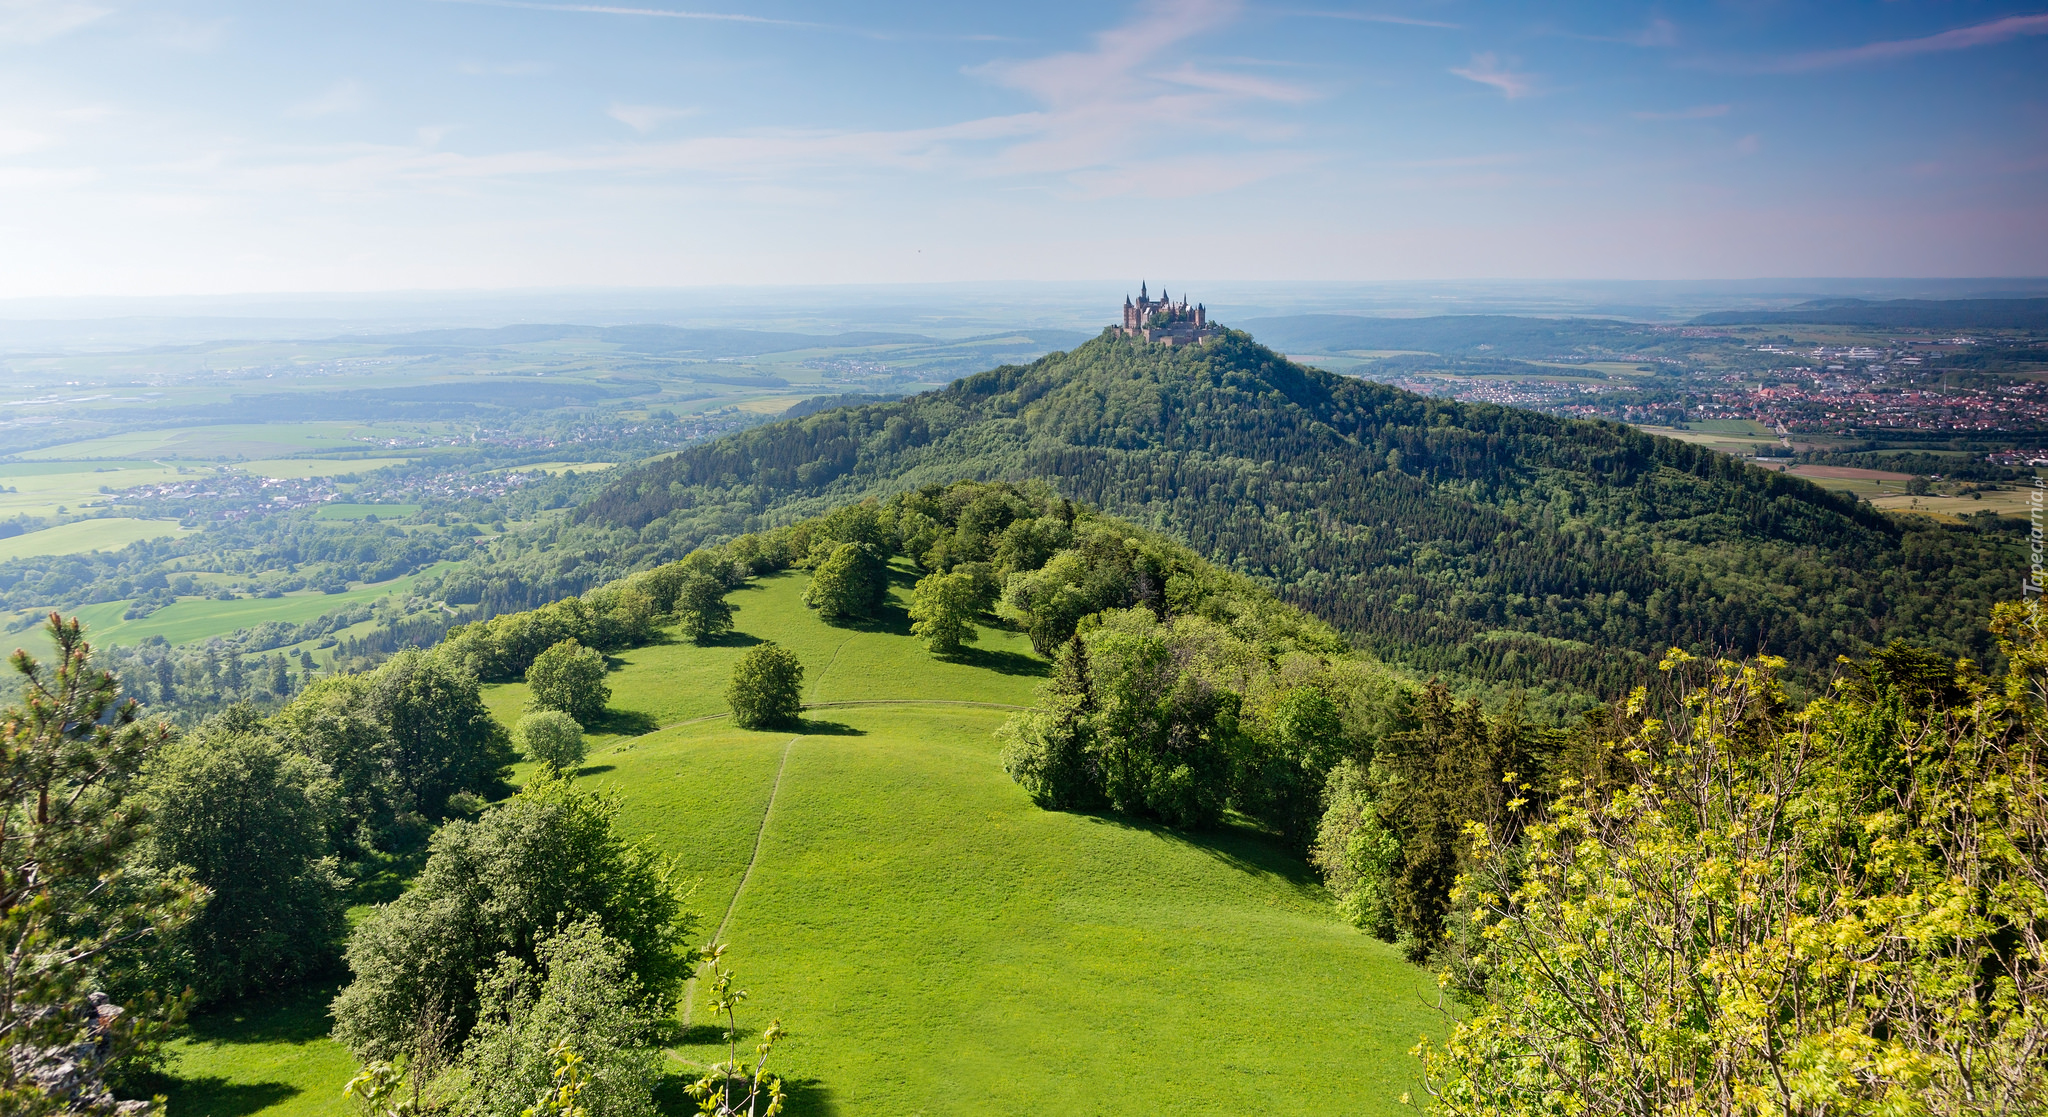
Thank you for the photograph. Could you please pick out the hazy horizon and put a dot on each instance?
(168, 147)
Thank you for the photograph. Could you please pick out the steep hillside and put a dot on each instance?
(1489, 542)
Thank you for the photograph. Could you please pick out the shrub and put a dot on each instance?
(569, 677)
(767, 687)
(551, 737)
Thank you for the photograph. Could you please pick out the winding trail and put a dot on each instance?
(690, 987)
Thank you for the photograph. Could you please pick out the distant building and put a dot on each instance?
(1165, 321)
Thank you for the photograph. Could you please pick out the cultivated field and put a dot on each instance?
(86, 535)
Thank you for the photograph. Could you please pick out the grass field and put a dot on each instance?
(933, 941)
(87, 535)
(197, 618)
(40, 488)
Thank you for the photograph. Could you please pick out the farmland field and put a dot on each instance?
(196, 618)
(86, 535)
(239, 440)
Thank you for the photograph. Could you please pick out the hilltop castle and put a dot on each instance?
(1165, 321)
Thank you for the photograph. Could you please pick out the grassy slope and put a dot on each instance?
(936, 943)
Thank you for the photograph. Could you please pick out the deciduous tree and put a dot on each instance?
(569, 677)
(767, 687)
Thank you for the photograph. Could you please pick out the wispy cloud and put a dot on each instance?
(342, 97)
(1382, 17)
(653, 13)
(1697, 112)
(33, 21)
(1487, 70)
(1962, 38)
(1657, 33)
(1242, 85)
(1079, 77)
(646, 118)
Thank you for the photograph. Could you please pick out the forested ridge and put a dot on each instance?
(1491, 543)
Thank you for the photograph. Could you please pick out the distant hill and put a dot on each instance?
(1488, 542)
(1896, 314)
(667, 341)
(1451, 335)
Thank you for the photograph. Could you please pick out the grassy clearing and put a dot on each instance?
(936, 943)
(79, 536)
(666, 683)
(269, 1056)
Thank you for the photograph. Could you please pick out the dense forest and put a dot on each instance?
(1486, 543)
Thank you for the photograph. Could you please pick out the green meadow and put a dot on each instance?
(40, 488)
(933, 941)
(197, 618)
(87, 535)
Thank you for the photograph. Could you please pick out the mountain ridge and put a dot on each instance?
(1508, 546)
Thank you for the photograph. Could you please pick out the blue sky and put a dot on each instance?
(353, 145)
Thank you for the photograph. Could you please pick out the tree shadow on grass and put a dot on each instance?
(811, 727)
(382, 879)
(726, 640)
(802, 1097)
(623, 723)
(1236, 844)
(292, 1016)
(217, 1097)
(1003, 663)
(595, 769)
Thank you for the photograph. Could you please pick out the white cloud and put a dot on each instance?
(344, 96)
(33, 21)
(1962, 38)
(1487, 70)
(646, 118)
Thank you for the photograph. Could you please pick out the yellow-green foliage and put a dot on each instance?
(1838, 911)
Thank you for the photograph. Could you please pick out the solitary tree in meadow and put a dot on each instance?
(569, 677)
(551, 737)
(767, 687)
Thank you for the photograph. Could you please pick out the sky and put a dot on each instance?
(186, 148)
